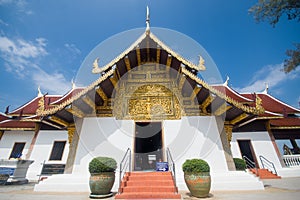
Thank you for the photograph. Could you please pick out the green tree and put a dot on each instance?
(272, 11)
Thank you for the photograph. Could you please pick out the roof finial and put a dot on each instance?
(73, 84)
(39, 92)
(148, 21)
(266, 89)
(226, 82)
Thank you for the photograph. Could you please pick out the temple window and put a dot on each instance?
(17, 150)
(57, 150)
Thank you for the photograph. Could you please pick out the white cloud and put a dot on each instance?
(73, 49)
(19, 5)
(273, 75)
(3, 23)
(53, 83)
(23, 48)
(22, 59)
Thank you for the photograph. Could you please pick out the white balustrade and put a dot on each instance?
(291, 160)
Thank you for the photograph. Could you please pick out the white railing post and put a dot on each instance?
(291, 160)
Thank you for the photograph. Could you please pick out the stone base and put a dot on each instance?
(98, 196)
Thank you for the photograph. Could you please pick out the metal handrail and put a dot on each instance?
(250, 164)
(125, 163)
(266, 164)
(171, 164)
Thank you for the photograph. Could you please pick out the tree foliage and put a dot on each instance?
(271, 11)
(294, 59)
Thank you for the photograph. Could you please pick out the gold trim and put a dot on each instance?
(71, 131)
(206, 102)
(58, 120)
(89, 102)
(222, 109)
(157, 55)
(228, 131)
(138, 55)
(195, 92)
(239, 118)
(285, 127)
(169, 61)
(75, 111)
(258, 109)
(199, 67)
(41, 112)
(17, 129)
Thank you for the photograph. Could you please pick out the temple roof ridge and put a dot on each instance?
(199, 67)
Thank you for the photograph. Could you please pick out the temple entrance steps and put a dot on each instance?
(148, 185)
(264, 174)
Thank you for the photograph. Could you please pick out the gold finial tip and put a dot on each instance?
(226, 82)
(39, 92)
(266, 88)
(147, 20)
(73, 84)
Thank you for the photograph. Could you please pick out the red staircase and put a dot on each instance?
(148, 185)
(264, 174)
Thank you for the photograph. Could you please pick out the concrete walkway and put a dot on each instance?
(277, 189)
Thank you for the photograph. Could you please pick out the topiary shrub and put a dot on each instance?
(195, 165)
(239, 164)
(102, 164)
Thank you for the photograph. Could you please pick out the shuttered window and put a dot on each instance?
(57, 150)
(17, 150)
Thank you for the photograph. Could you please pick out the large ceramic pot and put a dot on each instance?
(198, 183)
(101, 183)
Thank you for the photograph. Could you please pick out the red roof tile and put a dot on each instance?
(233, 94)
(67, 96)
(16, 124)
(286, 122)
(272, 104)
(31, 107)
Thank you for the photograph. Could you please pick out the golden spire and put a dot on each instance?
(39, 92)
(147, 21)
(226, 82)
(266, 89)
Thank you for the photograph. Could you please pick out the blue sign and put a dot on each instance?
(162, 166)
(7, 170)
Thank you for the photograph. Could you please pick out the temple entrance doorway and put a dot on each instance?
(148, 145)
(247, 150)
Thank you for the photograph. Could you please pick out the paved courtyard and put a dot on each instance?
(285, 188)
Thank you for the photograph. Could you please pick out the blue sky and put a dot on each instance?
(43, 43)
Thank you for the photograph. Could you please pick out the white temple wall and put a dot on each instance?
(190, 137)
(42, 150)
(102, 137)
(8, 140)
(261, 143)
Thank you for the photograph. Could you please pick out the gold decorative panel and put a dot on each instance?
(147, 93)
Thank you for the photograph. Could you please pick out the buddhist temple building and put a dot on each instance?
(151, 100)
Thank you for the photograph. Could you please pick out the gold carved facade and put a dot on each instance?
(148, 92)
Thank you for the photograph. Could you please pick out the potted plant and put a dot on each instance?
(240, 164)
(102, 170)
(197, 177)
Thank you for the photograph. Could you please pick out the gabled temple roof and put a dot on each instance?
(30, 107)
(273, 105)
(233, 94)
(12, 124)
(149, 49)
(3, 117)
(286, 122)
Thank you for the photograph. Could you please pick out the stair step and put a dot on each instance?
(147, 195)
(150, 183)
(264, 174)
(163, 189)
